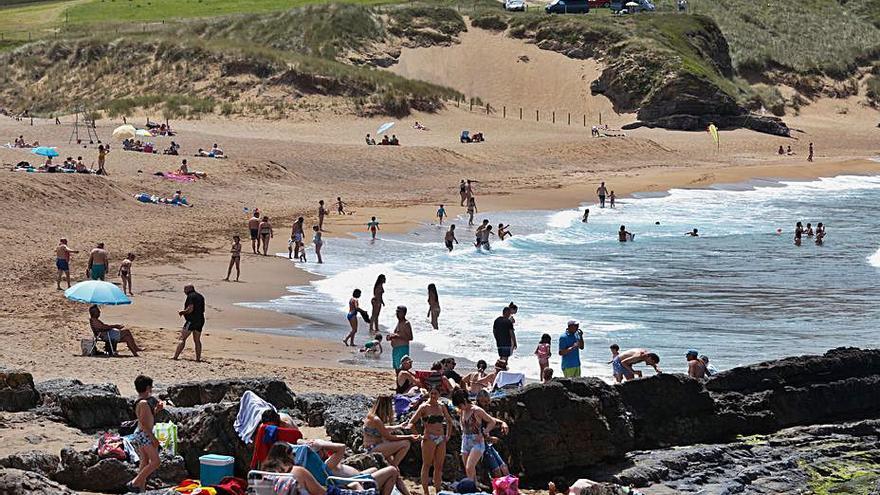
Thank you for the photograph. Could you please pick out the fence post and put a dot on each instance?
(520, 113)
(537, 116)
(554, 116)
(487, 109)
(600, 118)
(585, 120)
(472, 105)
(569, 118)
(504, 111)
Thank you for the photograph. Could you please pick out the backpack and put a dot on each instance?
(110, 446)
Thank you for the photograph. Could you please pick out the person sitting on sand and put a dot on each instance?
(623, 363)
(781, 150)
(377, 432)
(696, 368)
(370, 141)
(466, 137)
(184, 168)
(280, 459)
(479, 380)
(406, 382)
(419, 126)
(216, 152)
(394, 141)
(789, 152)
(477, 137)
(174, 149)
(372, 348)
(623, 235)
(385, 141)
(115, 333)
(693, 233)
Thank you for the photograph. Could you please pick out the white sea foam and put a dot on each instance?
(874, 259)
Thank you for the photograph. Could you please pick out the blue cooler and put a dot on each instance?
(213, 468)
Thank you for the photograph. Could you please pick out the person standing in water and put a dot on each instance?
(400, 338)
(352, 317)
(235, 258)
(611, 199)
(373, 227)
(820, 233)
(462, 191)
(602, 191)
(623, 235)
(586, 216)
(433, 305)
(297, 233)
(798, 233)
(377, 302)
(62, 261)
(318, 241)
(503, 231)
(471, 210)
(441, 212)
(449, 238)
(254, 228)
(484, 237)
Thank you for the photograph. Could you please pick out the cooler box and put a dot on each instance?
(213, 468)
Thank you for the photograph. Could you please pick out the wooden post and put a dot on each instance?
(472, 105)
(600, 118)
(537, 116)
(487, 109)
(504, 111)
(554, 116)
(520, 113)
(585, 120)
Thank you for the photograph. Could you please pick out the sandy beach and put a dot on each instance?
(284, 168)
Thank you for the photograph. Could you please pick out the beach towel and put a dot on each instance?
(250, 413)
(177, 177)
(508, 379)
(403, 403)
(266, 436)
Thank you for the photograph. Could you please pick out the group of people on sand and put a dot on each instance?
(788, 151)
(97, 268)
(386, 141)
(20, 142)
(818, 235)
(214, 152)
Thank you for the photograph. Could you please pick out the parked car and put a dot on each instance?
(514, 5)
(568, 7)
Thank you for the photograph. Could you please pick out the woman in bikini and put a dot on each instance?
(378, 437)
(145, 407)
(125, 274)
(478, 380)
(377, 301)
(433, 305)
(352, 317)
(234, 259)
(266, 233)
(474, 420)
(436, 430)
(318, 241)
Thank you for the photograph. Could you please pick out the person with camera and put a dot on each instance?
(570, 345)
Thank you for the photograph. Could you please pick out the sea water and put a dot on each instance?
(740, 292)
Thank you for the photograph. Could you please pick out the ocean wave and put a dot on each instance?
(874, 259)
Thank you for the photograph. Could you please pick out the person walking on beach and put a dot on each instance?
(433, 305)
(810, 155)
(352, 317)
(400, 338)
(623, 363)
(462, 191)
(125, 273)
(543, 354)
(798, 233)
(505, 336)
(373, 227)
(322, 212)
(266, 233)
(194, 321)
(696, 367)
(235, 258)
(297, 233)
(471, 210)
(318, 241)
(602, 191)
(340, 206)
(441, 212)
(143, 441)
(98, 262)
(377, 302)
(254, 228)
(449, 238)
(570, 345)
(62, 262)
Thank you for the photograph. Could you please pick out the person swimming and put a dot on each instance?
(623, 235)
(693, 233)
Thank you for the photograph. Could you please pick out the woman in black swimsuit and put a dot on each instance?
(436, 430)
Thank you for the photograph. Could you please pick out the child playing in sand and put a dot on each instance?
(373, 226)
(125, 274)
(373, 348)
(543, 353)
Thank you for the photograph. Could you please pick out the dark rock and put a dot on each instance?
(17, 391)
(212, 431)
(94, 406)
(686, 122)
(564, 424)
(188, 394)
(83, 470)
(344, 417)
(18, 482)
(35, 460)
(362, 462)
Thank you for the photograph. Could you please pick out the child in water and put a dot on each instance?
(611, 198)
(543, 353)
(373, 347)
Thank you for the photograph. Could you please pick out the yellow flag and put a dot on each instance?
(714, 132)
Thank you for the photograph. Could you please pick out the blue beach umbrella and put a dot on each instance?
(384, 127)
(44, 151)
(97, 292)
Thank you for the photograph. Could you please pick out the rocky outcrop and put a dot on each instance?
(88, 407)
(17, 391)
(212, 431)
(344, 417)
(18, 482)
(83, 470)
(187, 394)
(35, 460)
(760, 123)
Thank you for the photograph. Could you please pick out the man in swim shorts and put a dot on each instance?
(602, 191)
(62, 262)
(570, 345)
(98, 262)
(400, 338)
(254, 227)
(194, 316)
(623, 363)
(449, 238)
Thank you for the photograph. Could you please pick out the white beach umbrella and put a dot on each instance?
(384, 127)
(124, 132)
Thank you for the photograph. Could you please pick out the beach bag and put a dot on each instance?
(87, 346)
(128, 427)
(110, 446)
(505, 485)
(166, 434)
